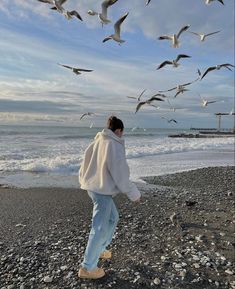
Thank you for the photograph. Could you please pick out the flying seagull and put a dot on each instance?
(217, 67)
(69, 14)
(179, 88)
(75, 69)
(175, 37)
(117, 28)
(57, 4)
(169, 120)
(58, 7)
(205, 102)
(138, 98)
(86, 114)
(147, 102)
(209, 1)
(103, 15)
(174, 62)
(203, 36)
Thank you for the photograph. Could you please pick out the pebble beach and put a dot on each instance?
(181, 235)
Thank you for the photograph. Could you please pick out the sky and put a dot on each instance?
(35, 90)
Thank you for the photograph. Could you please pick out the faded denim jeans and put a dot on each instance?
(104, 221)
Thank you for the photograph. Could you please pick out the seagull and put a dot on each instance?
(179, 88)
(147, 102)
(206, 102)
(147, 2)
(138, 98)
(58, 6)
(209, 1)
(87, 113)
(103, 15)
(173, 62)
(169, 120)
(217, 67)
(75, 70)
(203, 36)
(117, 29)
(54, 2)
(69, 14)
(175, 37)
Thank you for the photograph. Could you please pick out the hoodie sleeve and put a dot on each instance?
(119, 170)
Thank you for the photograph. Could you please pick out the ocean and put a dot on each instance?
(50, 156)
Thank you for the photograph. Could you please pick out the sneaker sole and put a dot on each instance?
(88, 277)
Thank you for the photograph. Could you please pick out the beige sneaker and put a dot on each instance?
(106, 255)
(93, 274)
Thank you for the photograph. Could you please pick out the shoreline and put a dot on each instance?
(157, 165)
(180, 236)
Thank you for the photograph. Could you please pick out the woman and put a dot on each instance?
(104, 173)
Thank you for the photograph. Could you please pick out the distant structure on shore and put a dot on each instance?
(210, 132)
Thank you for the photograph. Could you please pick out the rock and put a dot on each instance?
(157, 281)
(48, 279)
(196, 265)
(229, 272)
(20, 225)
(232, 284)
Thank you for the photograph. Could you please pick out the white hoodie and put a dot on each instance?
(104, 169)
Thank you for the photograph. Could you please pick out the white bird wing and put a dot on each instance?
(139, 105)
(188, 83)
(168, 89)
(227, 66)
(212, 101)
(46, 1)
(195, 33)
(66, 66)
(186, 27)
(61, 2)
(181, 56)
(76, 14)
(212, 33)
(164, 63)
(141, 94)
(163, 37)
(208, 70)
(105, 4)
(131, 97)
(82, 116)
(117, 25)
(86, 70)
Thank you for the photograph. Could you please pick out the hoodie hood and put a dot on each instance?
(108, 133)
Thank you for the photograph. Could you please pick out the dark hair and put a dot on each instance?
(114, 123)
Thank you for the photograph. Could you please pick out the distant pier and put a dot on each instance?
(209, 132)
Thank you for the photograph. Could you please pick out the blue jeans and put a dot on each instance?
(104, 221)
